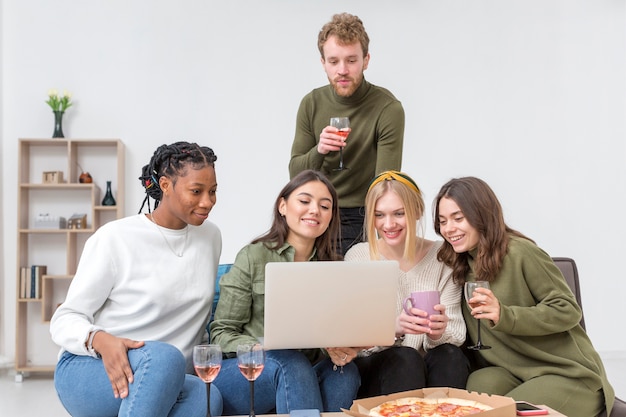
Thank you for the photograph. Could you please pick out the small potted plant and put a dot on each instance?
(58, 103)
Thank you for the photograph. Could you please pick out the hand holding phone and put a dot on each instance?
(527, 409)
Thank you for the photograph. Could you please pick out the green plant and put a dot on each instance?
(59, 102)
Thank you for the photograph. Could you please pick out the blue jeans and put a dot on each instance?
(160, 387)
(288, 382)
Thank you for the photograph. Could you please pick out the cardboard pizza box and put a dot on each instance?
(502, 406)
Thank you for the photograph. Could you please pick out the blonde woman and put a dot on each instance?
(427, 351)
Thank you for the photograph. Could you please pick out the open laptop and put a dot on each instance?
(330, 304)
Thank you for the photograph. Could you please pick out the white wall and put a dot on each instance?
(528, 95)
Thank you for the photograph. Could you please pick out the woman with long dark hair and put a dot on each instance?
(539, 352)
(305, 227)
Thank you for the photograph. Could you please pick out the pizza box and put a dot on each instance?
(502, 406)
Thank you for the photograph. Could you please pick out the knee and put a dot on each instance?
(405, 354)
(351, 373)
(288, 360)
(449, 353)
(403, 359)
(216, 401)
(195, 391)
(160, 355)
(492, 380)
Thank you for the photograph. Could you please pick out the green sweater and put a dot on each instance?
(539, 331)
(240, 312)
(374, 145)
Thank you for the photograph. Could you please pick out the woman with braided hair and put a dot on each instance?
(141, 297)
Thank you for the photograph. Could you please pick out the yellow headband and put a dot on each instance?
(397, 176)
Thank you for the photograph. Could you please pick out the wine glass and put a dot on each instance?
(251, 361)
(470, 287)
(207, 361)
(343, 124)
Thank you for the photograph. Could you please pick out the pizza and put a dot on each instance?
(428, 407)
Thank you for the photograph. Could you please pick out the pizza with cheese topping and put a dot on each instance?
(428, 407)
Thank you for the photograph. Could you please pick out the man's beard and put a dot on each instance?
(346, 92)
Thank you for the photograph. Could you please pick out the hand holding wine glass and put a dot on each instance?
(251, 361)
(207, 361)
(343, 124)
(470, 287)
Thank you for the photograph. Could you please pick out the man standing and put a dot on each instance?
(376, 117)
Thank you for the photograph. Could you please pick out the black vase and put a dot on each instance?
(108, 199)
(58, 124)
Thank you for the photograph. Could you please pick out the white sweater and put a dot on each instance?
(427, 275)
(130, 284)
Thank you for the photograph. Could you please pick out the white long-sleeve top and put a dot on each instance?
(130, 284)
(427, 275)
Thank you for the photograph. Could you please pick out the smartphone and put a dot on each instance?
(527, 409)
(305, 413)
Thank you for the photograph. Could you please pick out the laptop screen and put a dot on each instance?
(330, 304)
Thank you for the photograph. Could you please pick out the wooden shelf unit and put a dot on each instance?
(58, 249)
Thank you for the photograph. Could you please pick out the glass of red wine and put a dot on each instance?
(470, 287)
(207, 361)
(251, 361)
(343, 124)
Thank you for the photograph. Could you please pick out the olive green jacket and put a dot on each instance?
(240, 312)
(538, 332)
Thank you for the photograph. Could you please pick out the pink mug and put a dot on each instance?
(424, 300)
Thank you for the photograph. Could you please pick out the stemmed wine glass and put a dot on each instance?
(251, 361)
(207, 361)
(343, 124)
(470, 287)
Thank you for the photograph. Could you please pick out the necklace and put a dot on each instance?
(182, 251)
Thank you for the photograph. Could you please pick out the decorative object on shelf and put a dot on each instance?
(46, 221)
(84, 177)
(77, 221)
(58, 125)
(108, 199)
(58, 104)
(52, 177)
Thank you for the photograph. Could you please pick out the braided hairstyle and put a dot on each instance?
(172, 161)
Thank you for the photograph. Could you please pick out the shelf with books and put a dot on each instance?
(30, 282)
(56, 215)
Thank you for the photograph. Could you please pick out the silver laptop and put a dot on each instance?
(330, 304)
